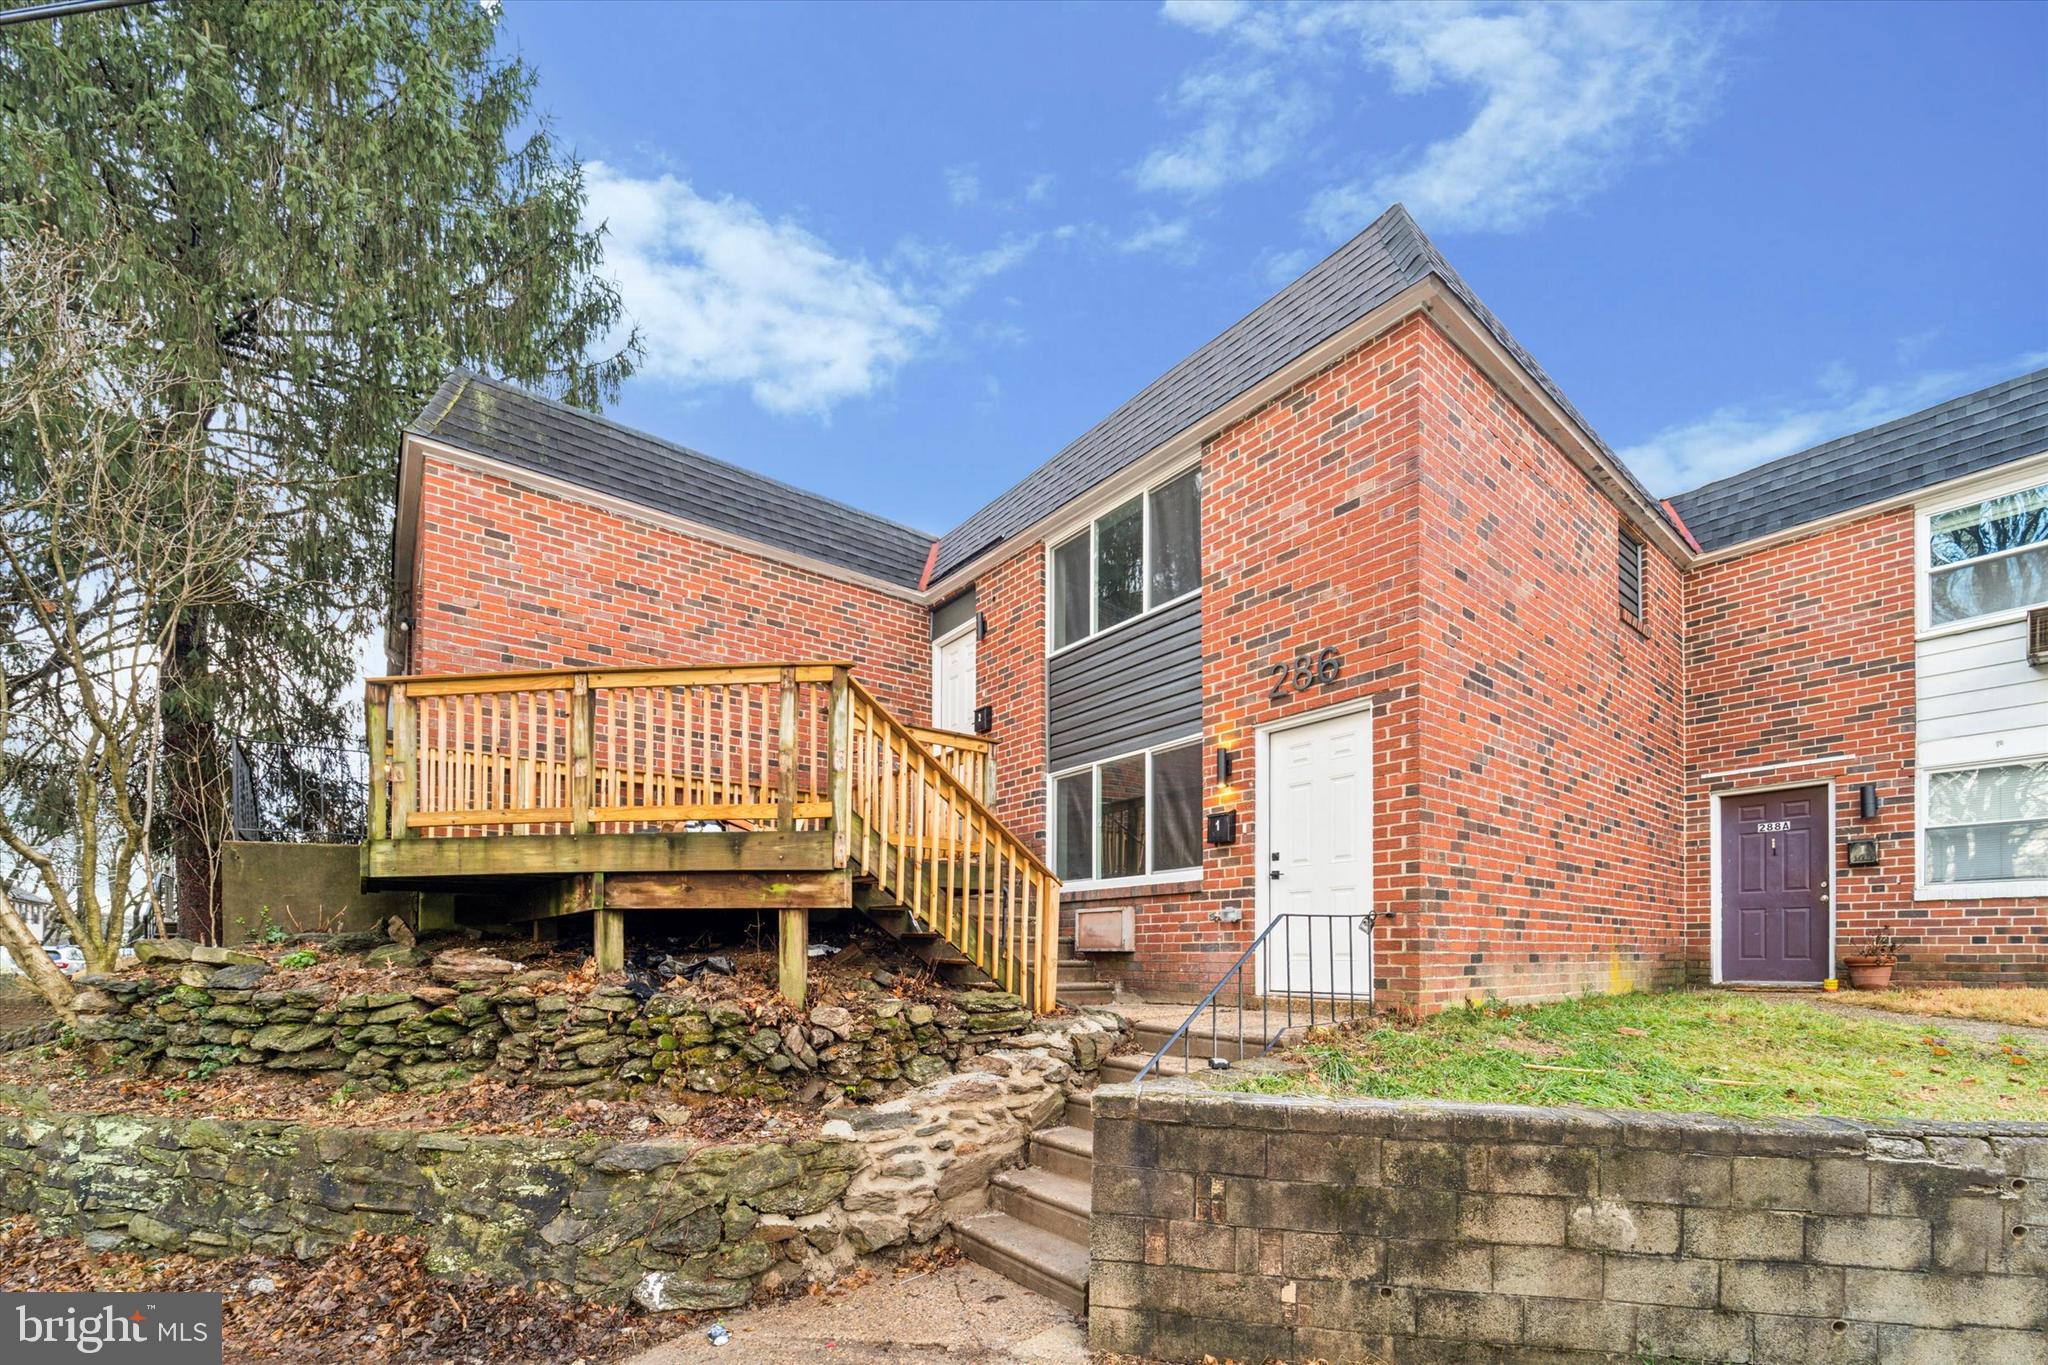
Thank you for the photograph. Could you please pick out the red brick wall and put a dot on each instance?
(1527, 751)
(1552, 745)
(1009, 678)
(1800, 660)
(1308, 538)
(508, 577)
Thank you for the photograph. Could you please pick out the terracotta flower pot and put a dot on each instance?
(1870, 973)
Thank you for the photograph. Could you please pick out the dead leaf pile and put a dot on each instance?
(372, 1302)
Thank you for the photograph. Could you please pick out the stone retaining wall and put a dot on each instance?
(1262, 1226)
(191, 1016)
(673, 1224)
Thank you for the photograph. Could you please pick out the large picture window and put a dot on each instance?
(1988, 557)
(1987, 824)
(1135, 816)
(1141, 554)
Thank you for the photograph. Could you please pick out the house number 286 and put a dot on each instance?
(1309, 669)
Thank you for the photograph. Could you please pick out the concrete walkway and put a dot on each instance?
(953, 1314)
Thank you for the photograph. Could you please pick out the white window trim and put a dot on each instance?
(1716, 800)
(1169, 877)
(1924, 890)
(2005, 481)
(1085, 526)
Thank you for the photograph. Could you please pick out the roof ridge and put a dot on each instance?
(1391, 224)
(598, 418)
(1861, 433)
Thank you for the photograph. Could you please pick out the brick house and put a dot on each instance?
(1352, 609)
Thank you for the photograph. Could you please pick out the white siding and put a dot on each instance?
(1979, 699)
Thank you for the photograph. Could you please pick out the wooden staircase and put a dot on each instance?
(783, 786)
(1036, 1230)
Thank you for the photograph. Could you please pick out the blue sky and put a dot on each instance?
(902, 254)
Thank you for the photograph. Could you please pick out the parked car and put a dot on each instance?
(69, 958)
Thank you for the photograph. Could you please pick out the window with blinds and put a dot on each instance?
(1987, 824)
(1629, 562)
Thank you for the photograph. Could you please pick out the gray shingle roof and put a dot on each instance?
(1387, 257)
(489, 417)
(1975, 432)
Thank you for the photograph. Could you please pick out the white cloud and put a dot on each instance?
(726, 296)
(963, 184)
(1248, 120)
(946, 276)
(1171, 238)
(1563, 98)
(1210, 16)
(1038, 188)
(1739, 436)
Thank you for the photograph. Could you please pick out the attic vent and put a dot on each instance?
(2037, 637)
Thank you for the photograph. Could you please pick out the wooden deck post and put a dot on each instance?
(405, 789)
(792, 953)
(842, 767)
(373, 726)
(607, 926)
(785, 754)
(581, 731)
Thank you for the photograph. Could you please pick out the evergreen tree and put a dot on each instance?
(321, 208)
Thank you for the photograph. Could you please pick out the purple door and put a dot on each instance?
(1774, 886)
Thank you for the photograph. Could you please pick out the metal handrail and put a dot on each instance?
(1365, 920)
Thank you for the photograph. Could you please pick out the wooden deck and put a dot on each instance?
(781, 786)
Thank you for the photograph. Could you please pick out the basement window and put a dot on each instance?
(1629, 561)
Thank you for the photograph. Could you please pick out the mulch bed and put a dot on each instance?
(372, 1303)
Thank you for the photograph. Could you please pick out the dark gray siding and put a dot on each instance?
(1135, 687)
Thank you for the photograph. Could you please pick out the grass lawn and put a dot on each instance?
(1689, 1051)
(2026, 1005)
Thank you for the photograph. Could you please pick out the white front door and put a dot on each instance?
(1315, 801)
(953, 681)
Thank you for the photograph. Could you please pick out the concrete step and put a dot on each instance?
(1123, 1068)
(1080, 1113)
(1065, 1151)
(1039, 1260)
(1044, 1199)
(1086, 992)
(1076, 970)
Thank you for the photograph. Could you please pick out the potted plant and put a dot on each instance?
(1870, 966)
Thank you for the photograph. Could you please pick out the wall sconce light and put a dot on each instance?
(981, 625)
(1867, 796)
(1222, 767)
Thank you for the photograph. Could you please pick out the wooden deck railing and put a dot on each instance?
(932, 844)
(605, 751)
(971, 758)
(779, 746)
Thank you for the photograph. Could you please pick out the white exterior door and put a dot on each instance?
(1315, 803)
(953, 681)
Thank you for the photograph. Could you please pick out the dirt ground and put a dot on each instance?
(20, 1006)
(954, 1312)
(371, 1303)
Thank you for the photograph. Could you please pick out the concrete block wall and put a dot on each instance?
(1256, 1227)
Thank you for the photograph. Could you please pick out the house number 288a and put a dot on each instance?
(1309, 669)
